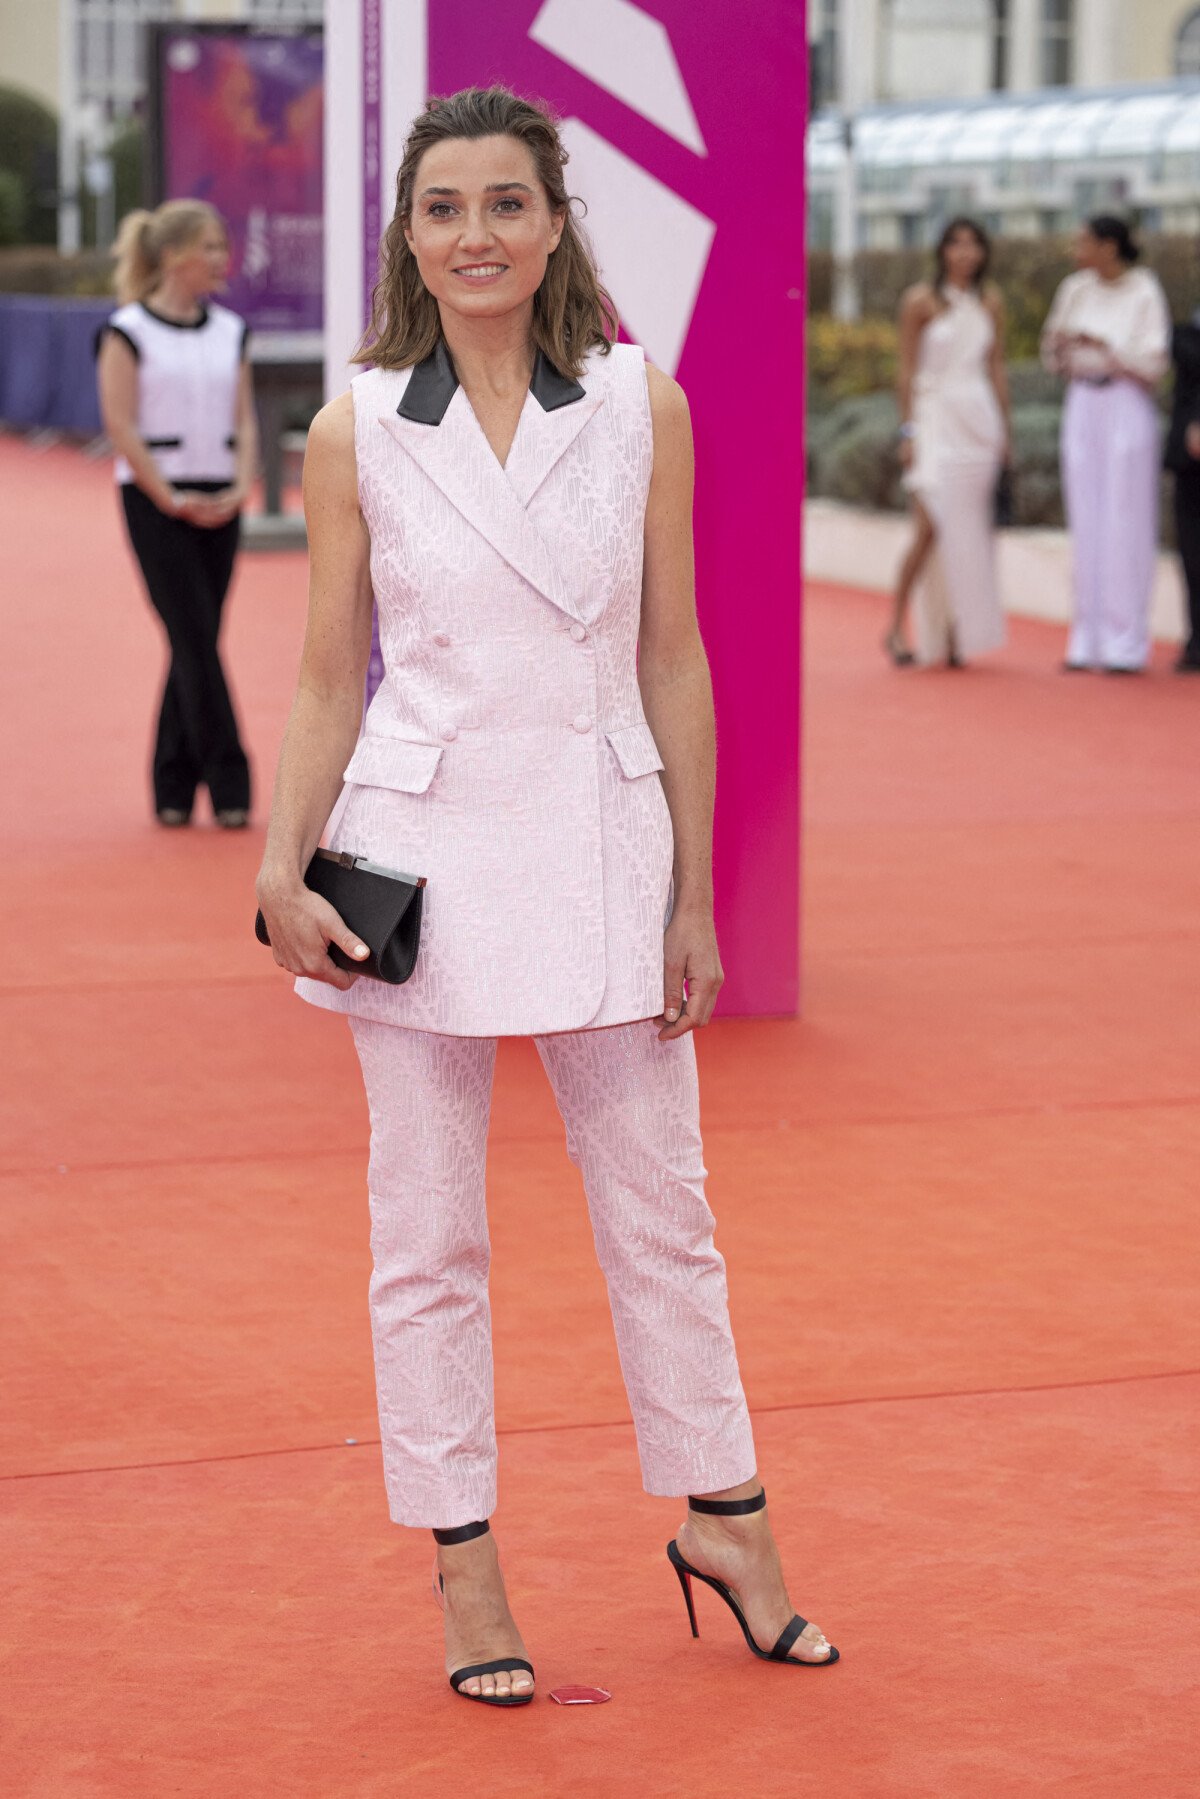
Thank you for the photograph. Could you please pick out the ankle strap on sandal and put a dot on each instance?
(729, 1508)
(464, 1533)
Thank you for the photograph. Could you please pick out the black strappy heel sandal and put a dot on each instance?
(507, 1664)
(898, 652)
(779, 1652)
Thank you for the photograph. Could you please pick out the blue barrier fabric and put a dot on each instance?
(47, 370)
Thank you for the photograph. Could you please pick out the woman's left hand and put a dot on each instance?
(690, 955)
(215, 509)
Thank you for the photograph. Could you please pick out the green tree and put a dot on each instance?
(12, 209)
(29, 153)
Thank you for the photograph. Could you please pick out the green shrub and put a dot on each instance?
(1030, 384)
(1037, 487)
(29, 153)
(1027, 271)
(848, 359)
(128, 152)
(30, 269)
(852, 453)
(12, 207)
(852, 456)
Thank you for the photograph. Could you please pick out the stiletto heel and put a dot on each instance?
(685, 1581)
(895, 648)
(780, 1650)
(507, 1664)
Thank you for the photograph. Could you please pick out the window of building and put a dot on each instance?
(1058, 30)
(283, 12)
(1001, 28)
(823, 55)
(1187, 45)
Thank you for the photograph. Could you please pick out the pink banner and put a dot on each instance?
(685, 123)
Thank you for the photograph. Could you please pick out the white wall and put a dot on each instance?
(29, 47)
(936, 47)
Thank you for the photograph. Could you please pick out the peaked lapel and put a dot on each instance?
(435, 424)
(543, 439)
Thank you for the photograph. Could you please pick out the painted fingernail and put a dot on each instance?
(361, 950)
(672, 1013)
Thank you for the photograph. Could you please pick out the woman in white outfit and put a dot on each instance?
(514, 489)
(1109, 334)
(954, 432)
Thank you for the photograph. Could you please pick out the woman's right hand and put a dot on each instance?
(301, 926)
(205, 509)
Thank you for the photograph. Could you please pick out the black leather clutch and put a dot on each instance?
(380, 906)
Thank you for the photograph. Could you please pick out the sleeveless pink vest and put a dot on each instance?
(506, 756)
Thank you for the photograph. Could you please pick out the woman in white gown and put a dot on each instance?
(1109, 336)
(954, 436)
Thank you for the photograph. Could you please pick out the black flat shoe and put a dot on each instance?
(173, 817)
(779, 1651)
(895, 647)
(506, 1664)
(233, 818)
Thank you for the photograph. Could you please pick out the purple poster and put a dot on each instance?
(240, 126)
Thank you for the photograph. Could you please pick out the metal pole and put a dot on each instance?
(846, 302)
(855, 79)
(68, 131)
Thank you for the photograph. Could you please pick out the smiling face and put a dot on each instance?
(481, 228)
(202, 265)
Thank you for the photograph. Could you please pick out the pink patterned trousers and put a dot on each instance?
(631, 1109)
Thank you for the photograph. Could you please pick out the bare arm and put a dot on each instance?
(117, 381)
(916, 309)
(246, 428)
(323, 725)
(676, 694)
(1054, 340)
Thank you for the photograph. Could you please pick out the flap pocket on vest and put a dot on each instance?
(636, 749)
(393, 762)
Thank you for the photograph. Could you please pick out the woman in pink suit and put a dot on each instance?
(515, 491)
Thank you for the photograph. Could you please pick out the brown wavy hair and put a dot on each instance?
(572, 312)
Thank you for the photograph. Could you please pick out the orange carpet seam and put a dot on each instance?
(541, 1430)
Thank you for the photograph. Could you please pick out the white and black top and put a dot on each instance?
(187, 389)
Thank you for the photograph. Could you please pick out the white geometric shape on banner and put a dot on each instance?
(623, 50)
(652, 246)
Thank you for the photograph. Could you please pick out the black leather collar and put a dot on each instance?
(432, 383)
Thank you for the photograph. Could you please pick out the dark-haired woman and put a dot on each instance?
(1109, 334)
(953, 395)
(515, 489)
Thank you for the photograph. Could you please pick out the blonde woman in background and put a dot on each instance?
(178, 406)
(954, 436)
(1109, 334)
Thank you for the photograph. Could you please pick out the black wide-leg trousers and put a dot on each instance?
(187, 570)
(1187, 528)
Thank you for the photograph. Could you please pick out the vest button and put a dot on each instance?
(449, 733)
(578, 633)
(582, 724)
(442, 639)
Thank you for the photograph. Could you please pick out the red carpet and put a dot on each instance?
(958, 1200)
